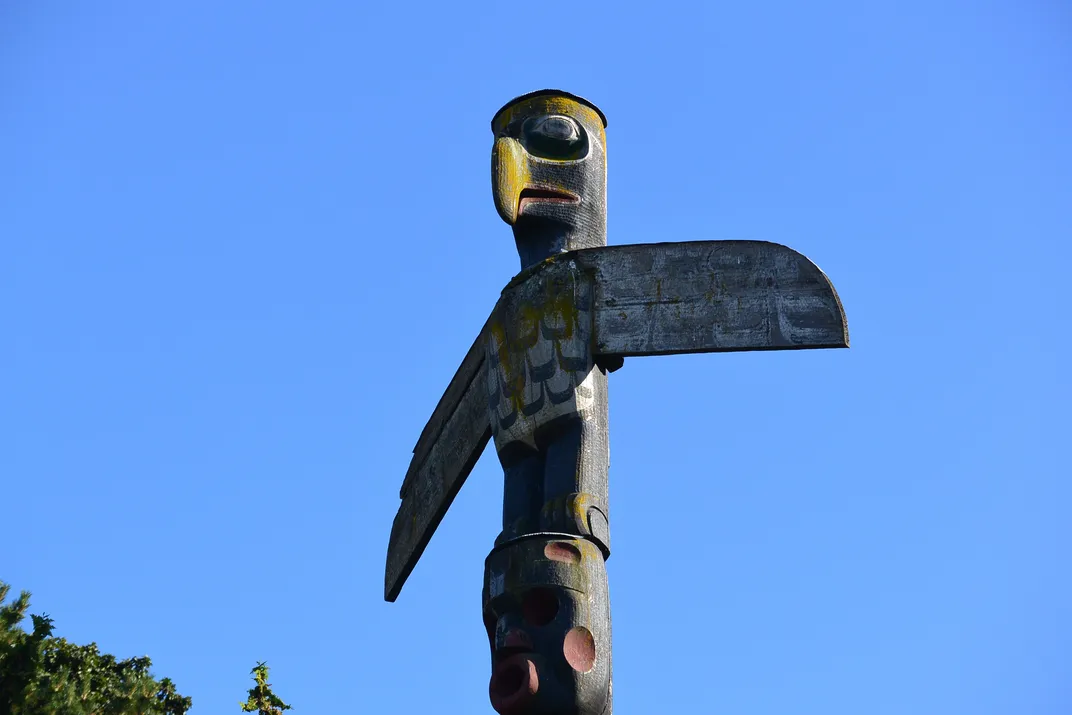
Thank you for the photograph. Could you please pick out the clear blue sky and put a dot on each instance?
(246, 244)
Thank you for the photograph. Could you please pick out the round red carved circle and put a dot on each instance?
(579, 647)
(562, 551)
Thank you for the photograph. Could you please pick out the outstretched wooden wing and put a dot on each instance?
(649, 299)
(446, 452)
(710, 296)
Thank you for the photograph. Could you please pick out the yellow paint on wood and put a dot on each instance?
(509, 175)
(551, 104)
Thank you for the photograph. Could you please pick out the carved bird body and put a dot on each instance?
(539, 364)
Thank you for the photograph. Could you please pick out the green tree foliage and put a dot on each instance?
(44, 675)
(261, 698)
(41, 674)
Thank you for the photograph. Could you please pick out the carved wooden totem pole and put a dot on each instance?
(535, 379)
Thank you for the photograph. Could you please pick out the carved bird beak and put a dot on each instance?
(509, 176)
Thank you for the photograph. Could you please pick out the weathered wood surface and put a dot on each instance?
(448, 403)
(711, 296)
(649, 299)
(435, 479)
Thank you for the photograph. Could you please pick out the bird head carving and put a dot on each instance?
(549, 173)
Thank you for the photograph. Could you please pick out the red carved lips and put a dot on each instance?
(515, 679)
(513, 684)
(532, 194)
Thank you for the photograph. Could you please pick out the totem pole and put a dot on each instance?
(535, 379)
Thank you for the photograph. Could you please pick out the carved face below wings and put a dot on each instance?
(547, 614)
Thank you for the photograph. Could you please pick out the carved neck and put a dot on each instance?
(539, 240)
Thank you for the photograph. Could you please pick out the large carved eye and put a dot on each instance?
(554, 137)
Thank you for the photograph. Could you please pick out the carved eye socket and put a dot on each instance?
(554, 137)
(539, 606)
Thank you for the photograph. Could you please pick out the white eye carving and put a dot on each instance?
(556, 127)
(554, 137)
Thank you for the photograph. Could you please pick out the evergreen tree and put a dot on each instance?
(40, 673)
(261, 698)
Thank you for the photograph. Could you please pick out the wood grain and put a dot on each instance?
(650, 299)
(436, 480)
(448, 403)
(711, 296)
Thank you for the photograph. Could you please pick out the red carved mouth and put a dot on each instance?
(513, 684)
(533, 194)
